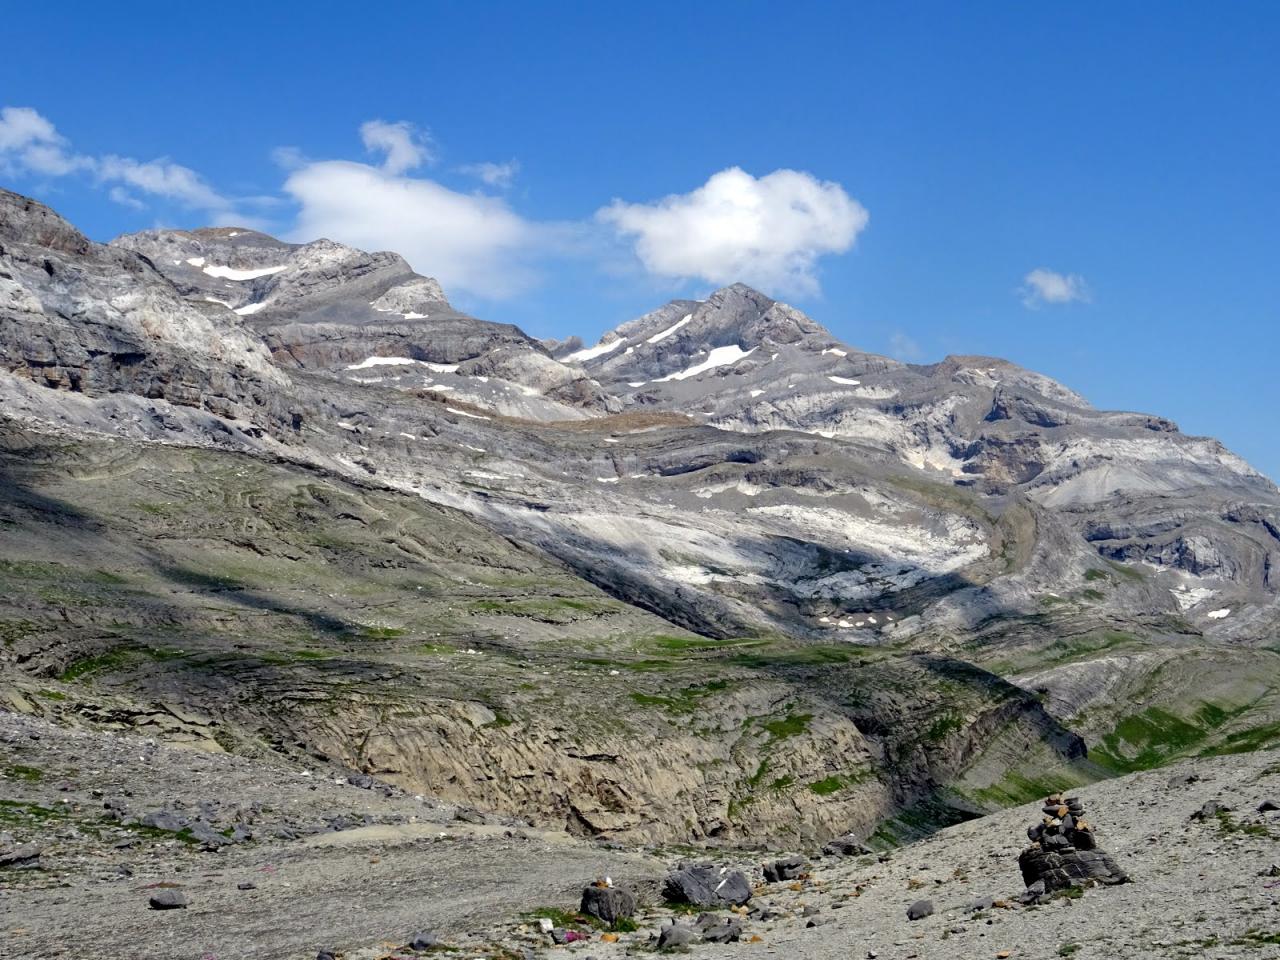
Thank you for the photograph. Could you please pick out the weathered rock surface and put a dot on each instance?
(706, 885)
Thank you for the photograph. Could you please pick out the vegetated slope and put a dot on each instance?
(264, 607)
(816, 585)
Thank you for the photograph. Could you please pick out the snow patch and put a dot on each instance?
(231, 273)
(464, 413)
(1219, 614)
(381, 362)
(845, 380)
(837, 351)
(590, 353)
(756, 393)
(658, 337)
(250, 309)
(718, 357)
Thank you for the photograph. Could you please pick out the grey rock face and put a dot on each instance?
(706, 885)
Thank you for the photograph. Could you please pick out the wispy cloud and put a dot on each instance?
(769, 231)
(499, 175)
(29, 143)
(1043, 286)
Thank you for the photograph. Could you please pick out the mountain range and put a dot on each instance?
(719, 578)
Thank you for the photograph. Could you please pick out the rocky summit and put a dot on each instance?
(337, 622)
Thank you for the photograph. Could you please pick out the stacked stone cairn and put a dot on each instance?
(1064, 852)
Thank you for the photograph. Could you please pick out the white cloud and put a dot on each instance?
(1042, 286)
(405, 147)
(494, 174)
(468, 242)
(29, 143)
(768, 231)
(162, 178)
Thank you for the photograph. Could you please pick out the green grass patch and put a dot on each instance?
(17, 771)
(1229, 825)
(1094, 574)
(792, 725)
(828, 786)
(1151, 738)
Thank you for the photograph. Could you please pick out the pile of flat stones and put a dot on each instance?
(1064, 852)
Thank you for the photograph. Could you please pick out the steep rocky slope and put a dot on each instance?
(828, 591)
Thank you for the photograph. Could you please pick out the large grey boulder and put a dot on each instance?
(706, 885)
(1059, 870)
(609, 904)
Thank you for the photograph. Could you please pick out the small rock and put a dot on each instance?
(169, 820)
(920, 909)
(676, 935)
(846, 846)
(168, 900)
(424, 941)
(1266, 806)
(247, 885)
(26, 856)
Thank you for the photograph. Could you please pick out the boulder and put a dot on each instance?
(609, 904)
(1061, 870)
(784, 868)
(728, 932)
(705, 885)
(424, 940)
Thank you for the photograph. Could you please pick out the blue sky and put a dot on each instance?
(941, 152)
